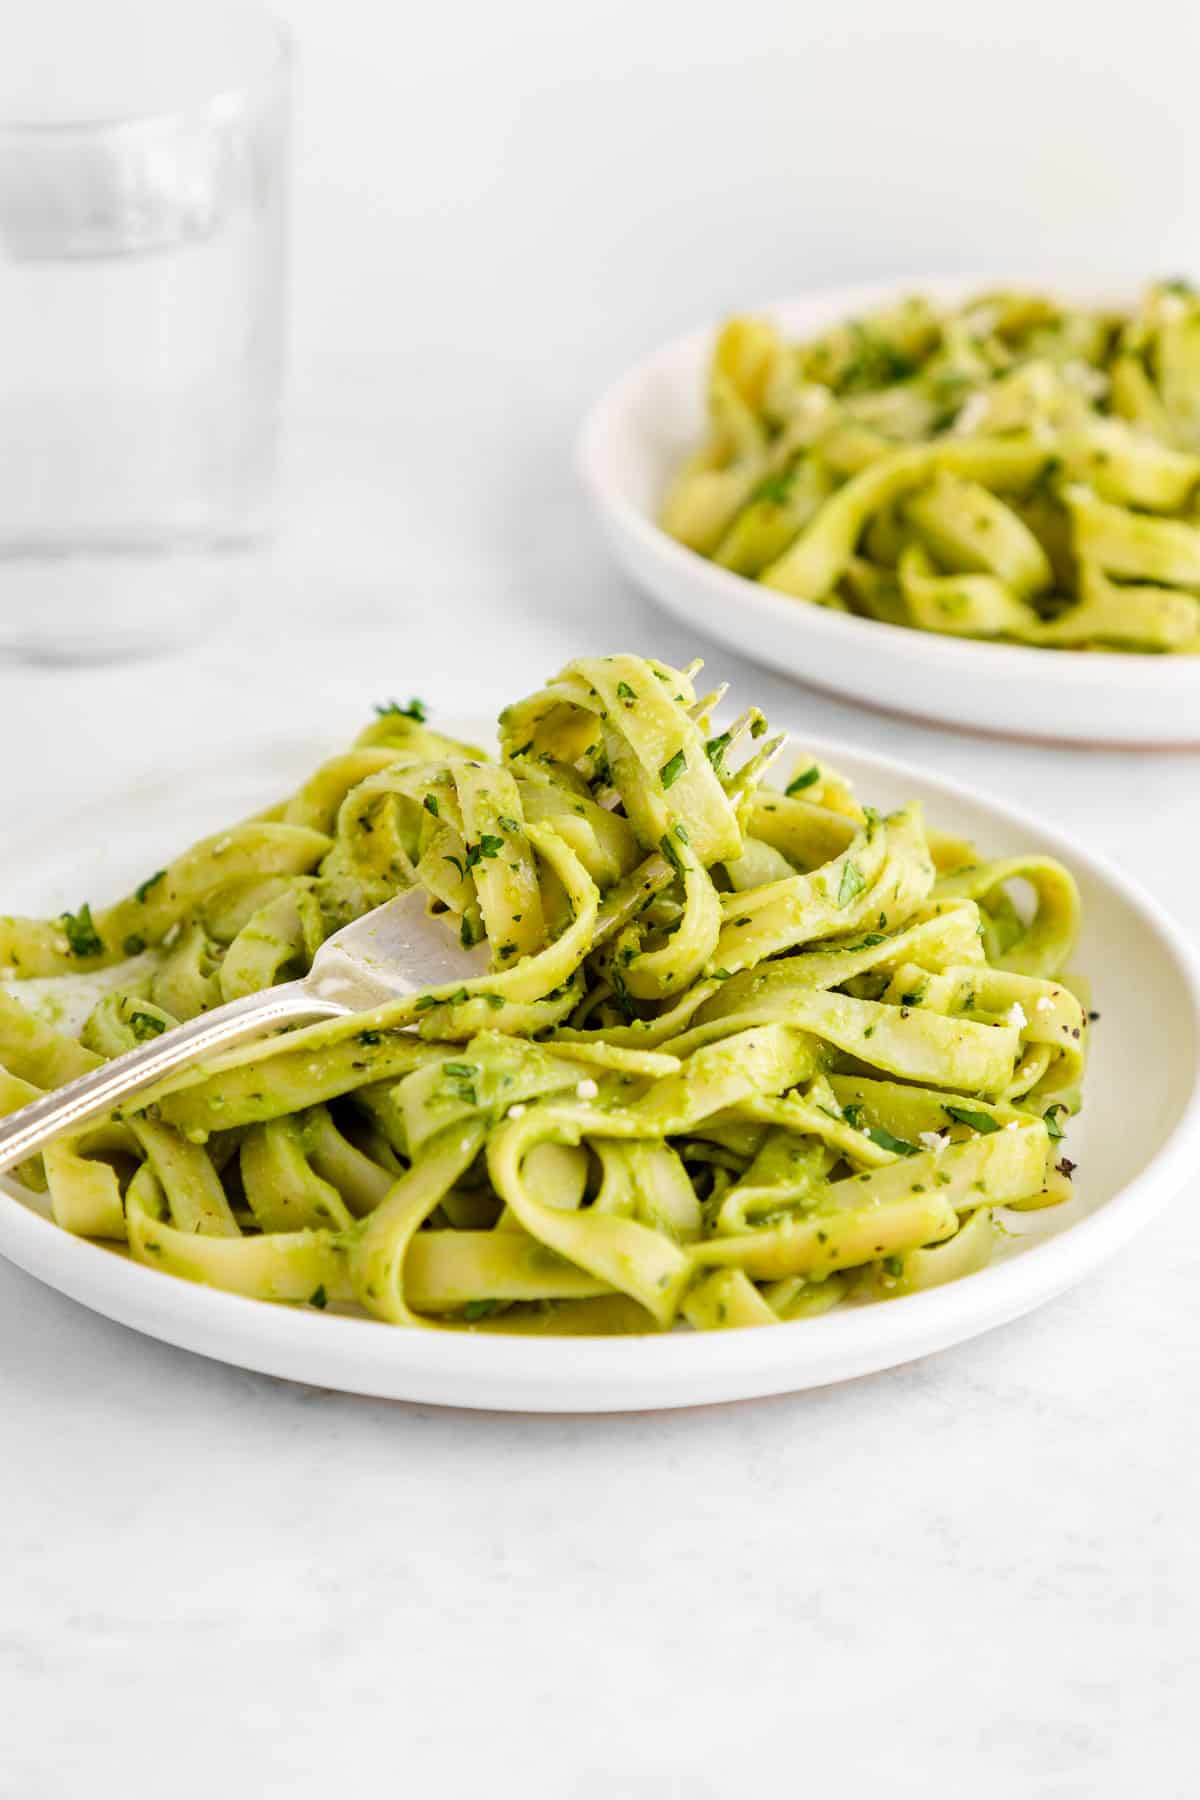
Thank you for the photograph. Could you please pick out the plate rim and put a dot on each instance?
(595, 1374)
(957, 656)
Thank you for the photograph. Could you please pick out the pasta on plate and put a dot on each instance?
(743, 1051)
(1012, 468)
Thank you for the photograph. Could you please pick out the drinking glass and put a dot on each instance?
(143, 153)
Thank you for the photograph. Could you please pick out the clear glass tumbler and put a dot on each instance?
(143, 160)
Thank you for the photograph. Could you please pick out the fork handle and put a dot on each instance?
(96, 1093)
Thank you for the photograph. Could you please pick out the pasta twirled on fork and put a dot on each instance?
(742, 1051)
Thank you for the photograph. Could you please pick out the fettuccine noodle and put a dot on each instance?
(1011, 468)
(742, 1051)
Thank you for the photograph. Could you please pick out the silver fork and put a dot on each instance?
(398, 949)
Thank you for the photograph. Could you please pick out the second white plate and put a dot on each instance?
(1136, 1143)
(639, 433)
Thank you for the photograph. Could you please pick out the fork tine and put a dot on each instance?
(710, 702)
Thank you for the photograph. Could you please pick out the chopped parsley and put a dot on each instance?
(852, 883)
(431, 805)
(144, 1025)
(458, 864)
(134, 945)
(878, 1134)
(875, 363)
(480, 1309)
(981, 1122)
(601, 768)
(488, 845)
(626, 693)
(459, 1077)
(671, 853)
(318, 1299)
(82, 937)
(672, 769)
(507, 824)
(776, 490)
(715, 751)
(804, 780)
(621, 993)
(370, 1037)
(415, 710)
(142, 890)
(1050, 1116)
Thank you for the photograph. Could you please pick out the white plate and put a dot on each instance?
(635, 439)
(1137, 1142)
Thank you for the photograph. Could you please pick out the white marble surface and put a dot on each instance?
(977, 1575)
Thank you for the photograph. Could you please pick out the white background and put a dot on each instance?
(977, 1575)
